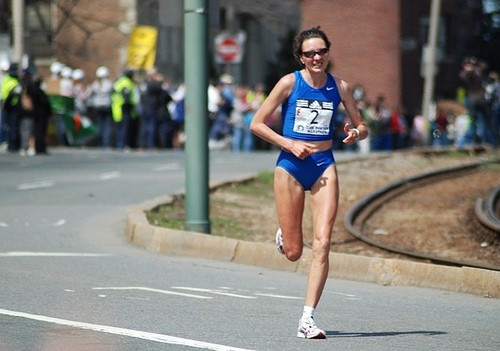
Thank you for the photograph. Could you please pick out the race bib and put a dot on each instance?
(313, 117)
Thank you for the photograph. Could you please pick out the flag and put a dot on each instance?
(142, 47)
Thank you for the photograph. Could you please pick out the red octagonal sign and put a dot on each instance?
(228, 50)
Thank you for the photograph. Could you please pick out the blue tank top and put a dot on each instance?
(308, 113)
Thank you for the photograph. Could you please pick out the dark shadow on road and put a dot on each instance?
(340, 334)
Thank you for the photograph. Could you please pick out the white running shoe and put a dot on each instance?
(308, 329)
(279, 241)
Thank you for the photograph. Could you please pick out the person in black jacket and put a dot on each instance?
(35, 113)
(26, 115)
(42, 114)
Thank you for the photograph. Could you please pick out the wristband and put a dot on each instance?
(356, 131)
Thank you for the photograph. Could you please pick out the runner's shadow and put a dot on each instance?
(339, 334)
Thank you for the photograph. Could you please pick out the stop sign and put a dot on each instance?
(228, 49)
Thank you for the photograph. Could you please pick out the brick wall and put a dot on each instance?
(365, 38)
(92, 33)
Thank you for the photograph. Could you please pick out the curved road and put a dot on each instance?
(70, 280)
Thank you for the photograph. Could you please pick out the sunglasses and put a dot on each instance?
(312, 53)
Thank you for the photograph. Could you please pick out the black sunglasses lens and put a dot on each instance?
(311, 54)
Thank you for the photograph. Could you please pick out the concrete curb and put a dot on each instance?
(343, 266)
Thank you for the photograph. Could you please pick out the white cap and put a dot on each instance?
(102, 72)
(4, 64)
(56, 67)
(227, 79)
(78, 74)
(66, 72)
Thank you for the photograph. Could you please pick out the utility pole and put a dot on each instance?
(18, 30)
(430, 60)
(196, 121)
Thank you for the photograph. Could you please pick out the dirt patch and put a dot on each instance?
(437, 218)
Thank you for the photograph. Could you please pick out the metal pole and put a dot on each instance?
(18, 30)
(196, 121)
(430, 66)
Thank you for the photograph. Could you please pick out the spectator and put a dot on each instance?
(167, 127)
(493, 103)
(237, 118)
(461, 127)
(153, 103)
(473, 75)
(123, 106)
(66, 82)
(10, 96)
(80, 92)
(397, 127)
(100, 102)
(381, 138)
(27, 114)
(178, 116)
(43, 111)
(213, 102)
(363, 105)
(221, 129)
(53, 84)
(418, 130)
(4, 68)
(440, 136)
(254, 99)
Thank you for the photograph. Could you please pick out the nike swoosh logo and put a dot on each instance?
(329, 88)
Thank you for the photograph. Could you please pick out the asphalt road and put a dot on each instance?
(70, 280)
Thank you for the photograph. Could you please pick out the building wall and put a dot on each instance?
(365, 42)
(91, 33)
(460, 36)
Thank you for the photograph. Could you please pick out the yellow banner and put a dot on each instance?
(142, 47)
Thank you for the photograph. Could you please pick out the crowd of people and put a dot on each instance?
(142, 110)
(25, 112)
(137, 110)
(472, 118)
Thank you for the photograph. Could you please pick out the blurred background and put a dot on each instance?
(379, 46)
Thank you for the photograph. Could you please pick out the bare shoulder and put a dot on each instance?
(287, 81)
(284, 86)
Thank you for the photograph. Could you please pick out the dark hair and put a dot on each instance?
(314, 32)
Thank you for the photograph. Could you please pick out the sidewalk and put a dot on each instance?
(343, 266)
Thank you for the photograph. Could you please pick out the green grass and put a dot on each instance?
(167, 215)
(172, 215)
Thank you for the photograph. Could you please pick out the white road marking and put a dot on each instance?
(349, 296)
(60, 223)
(167, 167)
(217, 292)
(265, 294)
(36, 185)
(161, 338)
(152, 290)
(109, 175)
(49, 254)
(280, 296)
